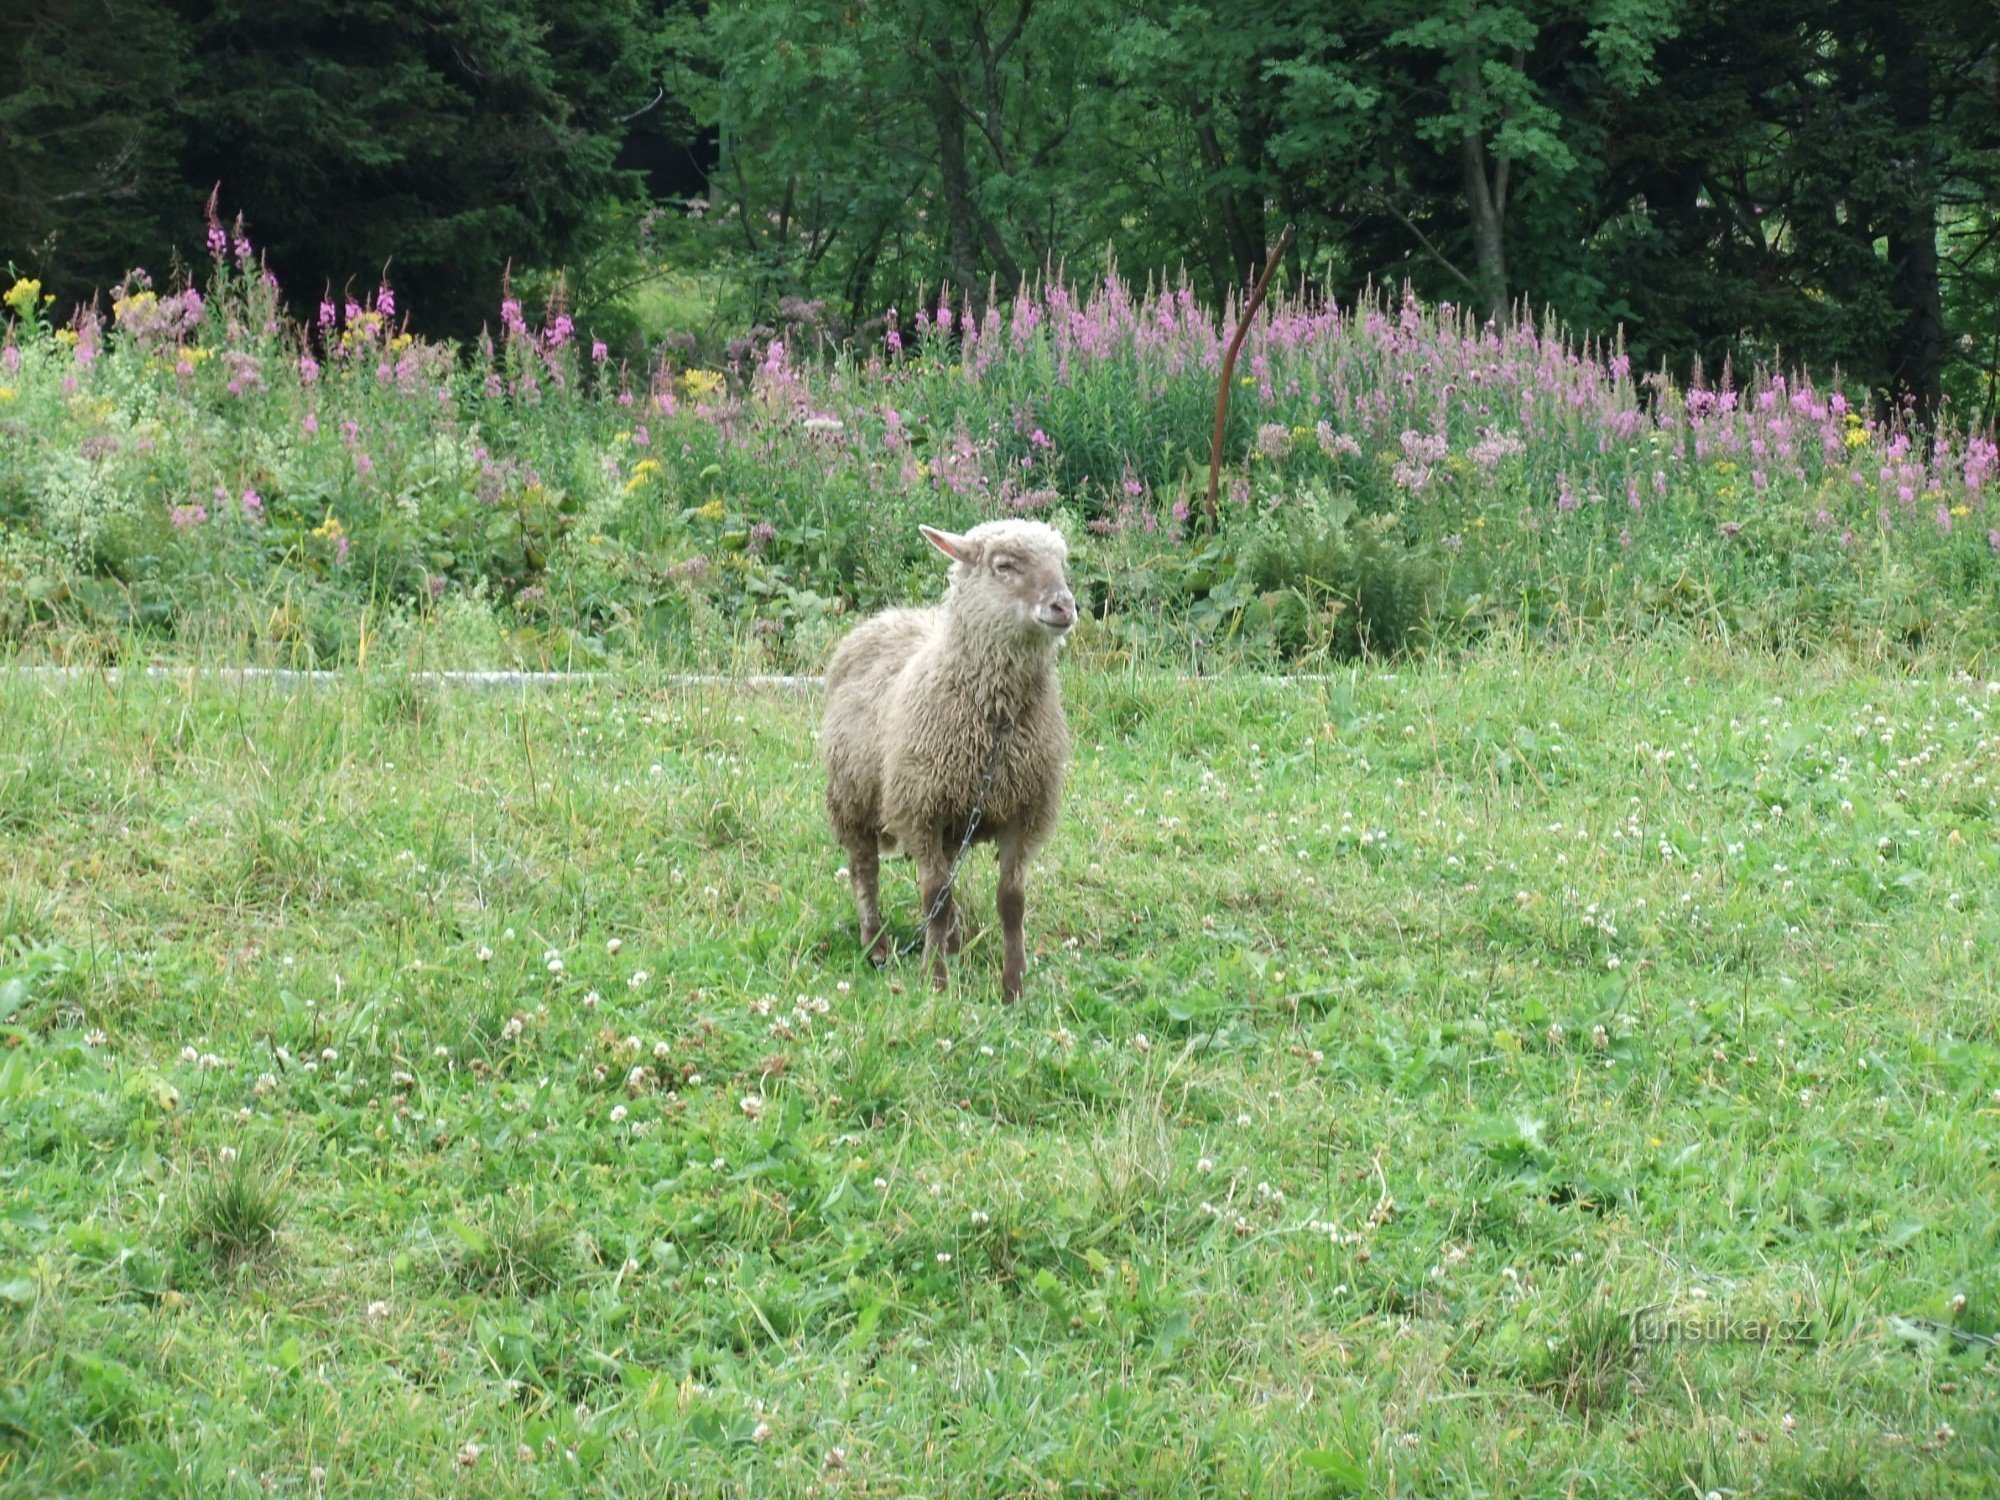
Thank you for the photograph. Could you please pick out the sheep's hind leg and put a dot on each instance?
(933, 871)
(1014, 854)
(864, 867)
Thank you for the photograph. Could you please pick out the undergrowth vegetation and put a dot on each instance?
(197, 473)
(1569, 1071)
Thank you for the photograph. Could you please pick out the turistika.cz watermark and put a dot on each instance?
(1652, 1325)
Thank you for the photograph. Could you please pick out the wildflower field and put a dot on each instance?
(1563, 1071)
(193, 474)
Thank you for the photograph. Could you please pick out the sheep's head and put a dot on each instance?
(1011, 572)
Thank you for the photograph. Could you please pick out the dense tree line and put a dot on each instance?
(440, 140)
(1805, 179)
(1814, 180)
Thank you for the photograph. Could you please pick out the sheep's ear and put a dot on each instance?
(957, 548)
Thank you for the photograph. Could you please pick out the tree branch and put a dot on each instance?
(1436, 254)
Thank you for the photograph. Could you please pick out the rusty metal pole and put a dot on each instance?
(1229, 369)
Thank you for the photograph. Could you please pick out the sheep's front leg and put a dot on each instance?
(933, 871)
(1014, 855)
(864, 868)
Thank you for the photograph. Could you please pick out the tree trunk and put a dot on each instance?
(1489, 243)
(961, 226)
(1243, 258)
(1485, 190)
(1916, 349)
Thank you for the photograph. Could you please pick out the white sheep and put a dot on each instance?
(926, 706)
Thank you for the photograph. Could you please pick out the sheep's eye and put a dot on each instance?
(1004, 566)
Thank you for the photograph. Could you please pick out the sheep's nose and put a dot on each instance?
(1062, 609)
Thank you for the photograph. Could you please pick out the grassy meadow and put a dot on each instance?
(1558, 1071)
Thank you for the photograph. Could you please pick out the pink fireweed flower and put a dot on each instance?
(183, 517)
(340, 549)
(385, 301)
(640, 437)
(253, 506)
(308, 369)
(599, 351)
(326, 312)
(310, 425)
(363, 464)
(1944, 519)
(1274, 441)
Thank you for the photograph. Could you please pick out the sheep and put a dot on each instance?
(923, 705)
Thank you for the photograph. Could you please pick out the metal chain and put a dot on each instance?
(1000, 732)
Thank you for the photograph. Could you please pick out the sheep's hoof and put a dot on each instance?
(878, 953)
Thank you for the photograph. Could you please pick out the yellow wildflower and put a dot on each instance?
(329, 530)
(65, 335)
(1961, 510)
(22, 295)
(138, 302)
(713, 511)
(6, 393)
(1857, 435)
(700, 384)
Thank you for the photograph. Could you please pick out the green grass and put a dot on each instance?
(1391, 1041)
